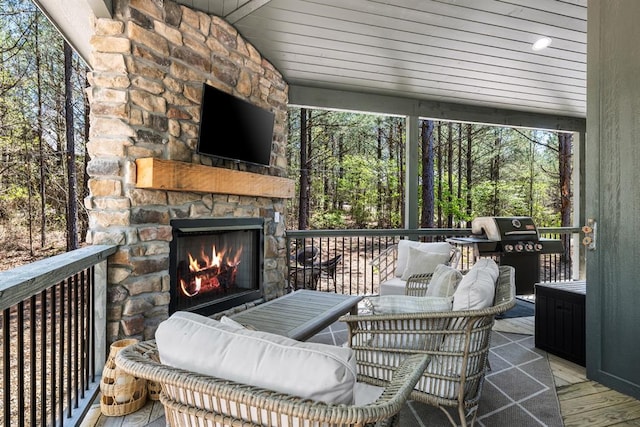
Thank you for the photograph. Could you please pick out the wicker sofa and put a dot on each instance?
(457, 343)
(189, 397)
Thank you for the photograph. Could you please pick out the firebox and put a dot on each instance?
(215, 263)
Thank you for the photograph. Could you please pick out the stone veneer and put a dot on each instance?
(149, 63)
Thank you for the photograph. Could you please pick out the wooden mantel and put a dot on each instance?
(171, 175)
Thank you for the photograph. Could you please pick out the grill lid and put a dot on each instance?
(505, 228)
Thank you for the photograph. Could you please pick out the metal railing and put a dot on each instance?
(364, 266)
(53, 328)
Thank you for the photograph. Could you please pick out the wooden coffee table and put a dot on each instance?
(298, 315)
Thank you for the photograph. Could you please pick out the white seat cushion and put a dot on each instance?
(403, 252)
(394, 286)
(310, 370)
(478, 287)
(365, 394)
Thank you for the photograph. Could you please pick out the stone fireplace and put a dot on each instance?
(149, 64)
(215, 263)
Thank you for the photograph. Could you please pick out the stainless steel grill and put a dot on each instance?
(511, 241)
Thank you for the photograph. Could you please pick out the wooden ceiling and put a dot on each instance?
(468, 60)
(468, 52)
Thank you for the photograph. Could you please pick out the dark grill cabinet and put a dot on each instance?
(560, 319)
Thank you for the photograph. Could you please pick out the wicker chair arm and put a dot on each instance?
(417, 284)
(141, 360)
(391, 251)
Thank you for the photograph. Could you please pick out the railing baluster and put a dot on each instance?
(357, 278)
(70, 312)
(61, 299)
(32, 359)
(48, 338)
(82, 328)
(43, 358)
(20, 360)
(6, 365)
(92, 316)
(54, 352)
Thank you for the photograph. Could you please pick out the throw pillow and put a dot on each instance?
(403, 252)
(230, 322)
(477, 288)
(444, 281)
(420, 262)
(199, 344)
(396, 304)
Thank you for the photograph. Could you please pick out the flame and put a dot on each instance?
(236, 259)
(211, 265)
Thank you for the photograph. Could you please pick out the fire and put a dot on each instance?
(210, 272)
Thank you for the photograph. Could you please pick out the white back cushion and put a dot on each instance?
(420, 262)
(403, 252)
(444, 281)
(309, 370)
(478, 287)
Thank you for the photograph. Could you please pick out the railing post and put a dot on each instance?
(579, 205)
(100, 315)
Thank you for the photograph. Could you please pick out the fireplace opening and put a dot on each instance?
(215, 263)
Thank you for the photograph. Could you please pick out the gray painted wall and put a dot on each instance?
(613, 196)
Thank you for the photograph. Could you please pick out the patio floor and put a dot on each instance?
(582, 402)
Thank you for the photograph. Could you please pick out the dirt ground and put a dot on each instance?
(15, 248)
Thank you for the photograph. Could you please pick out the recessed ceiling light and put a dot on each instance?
(541, 43)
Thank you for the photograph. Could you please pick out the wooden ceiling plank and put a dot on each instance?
(374, 36)
(427, 64)
(297, 33)
(472, 18)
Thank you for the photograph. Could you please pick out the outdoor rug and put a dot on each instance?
(518, 390)
(521, 309)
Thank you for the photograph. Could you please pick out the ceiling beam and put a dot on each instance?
(244, 10)
(72, 18)
(383, 104)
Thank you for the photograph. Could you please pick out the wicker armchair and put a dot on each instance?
(190, 398)
(385, 264)
(457, 343)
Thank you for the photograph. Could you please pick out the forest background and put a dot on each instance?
(349, 168)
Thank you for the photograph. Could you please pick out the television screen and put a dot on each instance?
(234, 129)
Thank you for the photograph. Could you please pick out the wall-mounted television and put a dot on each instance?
(232, 128)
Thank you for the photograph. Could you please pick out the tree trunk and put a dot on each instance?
(459, 190)
(440, 162)
(401, 162)
(338, 203)
(532, 165)
(469, 174)
(495, 172)
(41, 147)
(380, 211)
(450, 175)
(72, 182)
(426, 220)
(84, 225)
(565, 142)
(303, 208)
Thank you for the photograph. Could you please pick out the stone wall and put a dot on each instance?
(150, 62)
